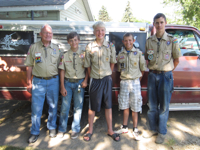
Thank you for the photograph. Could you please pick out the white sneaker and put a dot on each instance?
(122, 130)
(60, 134)
(136, 135)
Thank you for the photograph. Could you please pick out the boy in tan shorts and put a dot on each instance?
(131, 64)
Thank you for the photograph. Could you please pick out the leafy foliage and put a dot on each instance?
(128, 15)
(189, 12)
(103, 15)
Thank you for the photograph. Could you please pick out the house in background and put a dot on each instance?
(61, 10)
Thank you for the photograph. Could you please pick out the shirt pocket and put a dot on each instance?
(166, 55)
(134, 61)
(94, 57)
(81, 59)
(106, 55)
(54, 59)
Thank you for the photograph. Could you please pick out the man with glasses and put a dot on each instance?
(42, 63)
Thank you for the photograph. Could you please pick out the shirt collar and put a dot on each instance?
(94, 44)
(77, 52)
(132, 50)
(50, 45)
(164, 37)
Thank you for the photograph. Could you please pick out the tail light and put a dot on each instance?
(1, 26)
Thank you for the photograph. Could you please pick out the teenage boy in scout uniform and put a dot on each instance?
(131, 64)
(73, 80)
(99, 60)
(162, 52)
(42, 61)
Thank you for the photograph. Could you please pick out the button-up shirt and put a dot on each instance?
(130, 64)
(161, 54)
(73, 64)
(44, 60)
(99, 59)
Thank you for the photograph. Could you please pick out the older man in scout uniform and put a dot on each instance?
(73, 80)
(162, 52)
(131, 64)
(42, 62)
(100, 59)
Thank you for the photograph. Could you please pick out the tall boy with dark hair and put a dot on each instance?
(162, 52)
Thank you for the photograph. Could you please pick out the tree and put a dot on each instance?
(103, 15)
(190, 11)
(128, 15)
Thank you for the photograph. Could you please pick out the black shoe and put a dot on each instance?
(52, 133)
(33, 138)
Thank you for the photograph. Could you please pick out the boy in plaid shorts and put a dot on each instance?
(131, 64)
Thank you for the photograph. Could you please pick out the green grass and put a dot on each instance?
(170, 142)
(6, 147)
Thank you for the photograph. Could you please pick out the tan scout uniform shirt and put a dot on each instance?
(131, 64)
(44, 62)
(99, 58)
(161, 54)
(73, 64)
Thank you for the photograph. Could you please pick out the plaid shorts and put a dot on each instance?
(130, 95)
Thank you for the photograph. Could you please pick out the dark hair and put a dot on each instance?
(128, 34)
(71, 35)
(158, 16)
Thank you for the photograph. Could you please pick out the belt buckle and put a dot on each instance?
(159, 72)
(72, 80)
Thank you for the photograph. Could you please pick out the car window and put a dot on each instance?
(15, 42)
(187, 41)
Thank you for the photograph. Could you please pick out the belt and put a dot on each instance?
(157, 71)
(72, 80)
(46, 78)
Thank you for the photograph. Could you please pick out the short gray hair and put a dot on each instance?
(42, 27)
(99, 24)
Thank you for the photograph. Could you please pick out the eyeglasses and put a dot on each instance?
(47, 33)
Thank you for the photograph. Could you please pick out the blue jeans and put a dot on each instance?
(42, 89)
(78, 97)
(160, 88)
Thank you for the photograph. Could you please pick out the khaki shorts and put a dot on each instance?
(130, 95)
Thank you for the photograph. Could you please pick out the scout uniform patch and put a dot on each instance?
(167, 56)
(135, 53)
(112, 45)
(82, 56)
(168, 42)
(121, 57)
(175, 41)
(38, 58)
(54, 51)
(150, 53)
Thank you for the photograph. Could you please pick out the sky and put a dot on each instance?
(141, 9)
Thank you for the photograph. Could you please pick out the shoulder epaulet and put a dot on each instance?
(170, 35)
(149, 37)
